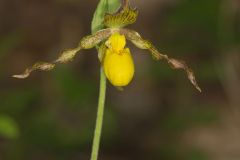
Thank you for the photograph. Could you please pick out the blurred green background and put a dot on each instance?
(159, 116)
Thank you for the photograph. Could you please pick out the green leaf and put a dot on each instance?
(104, 6)
(8, 127)
(113, 5)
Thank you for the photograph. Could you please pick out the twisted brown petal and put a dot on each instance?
(68, 55)
(178, 64)
(137, 40)
(44, 66)
(64, 57)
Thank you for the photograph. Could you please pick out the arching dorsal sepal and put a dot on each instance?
(123, 17)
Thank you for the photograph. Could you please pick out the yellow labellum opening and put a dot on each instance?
(116, 42)
(118, 63)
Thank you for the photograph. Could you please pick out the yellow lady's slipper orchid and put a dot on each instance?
(118, 63)
(116, 59)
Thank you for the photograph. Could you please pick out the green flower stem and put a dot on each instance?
(100, 113)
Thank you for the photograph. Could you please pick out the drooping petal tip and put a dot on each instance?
(21, 76)
(44, 66)
(179, 64)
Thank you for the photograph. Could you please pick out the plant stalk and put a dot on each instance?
(100, 113)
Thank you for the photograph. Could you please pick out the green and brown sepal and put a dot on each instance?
(125, 16)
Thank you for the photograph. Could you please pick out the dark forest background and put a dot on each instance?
(159, 116)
